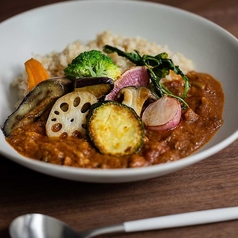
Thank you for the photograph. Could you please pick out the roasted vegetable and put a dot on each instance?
(68, 115)
(136, 76)
(135, 97)
(163, 114)
(36, 73)
(36, 102)
(92, 63)
(98, 86)
(115, 129)
(158, 67)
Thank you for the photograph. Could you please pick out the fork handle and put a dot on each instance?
(183, 219)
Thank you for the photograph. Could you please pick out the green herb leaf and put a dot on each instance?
(158, 67)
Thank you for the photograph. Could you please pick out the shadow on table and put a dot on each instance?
(4, 233)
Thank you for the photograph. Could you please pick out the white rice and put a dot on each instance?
(55, 62)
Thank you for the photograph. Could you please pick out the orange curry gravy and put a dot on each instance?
(198, 124)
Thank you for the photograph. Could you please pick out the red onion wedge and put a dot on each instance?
(163, 114)
(137, 76)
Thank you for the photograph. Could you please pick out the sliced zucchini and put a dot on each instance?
(98, 86)
(36, 102)
(115, 128)
(68, 115)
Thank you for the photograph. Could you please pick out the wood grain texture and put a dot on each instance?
(212, 183)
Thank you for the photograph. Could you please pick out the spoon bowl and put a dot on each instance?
(42, 226)
(37, 225)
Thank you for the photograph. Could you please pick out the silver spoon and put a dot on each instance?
(42, 226)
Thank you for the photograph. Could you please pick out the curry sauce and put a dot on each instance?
(198, 124)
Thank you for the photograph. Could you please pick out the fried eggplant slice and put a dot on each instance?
(36, 102)
(114, 128)
(98, 86)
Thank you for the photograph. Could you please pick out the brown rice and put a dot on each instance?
(55, 62)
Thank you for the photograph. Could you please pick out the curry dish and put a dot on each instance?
(198, 123)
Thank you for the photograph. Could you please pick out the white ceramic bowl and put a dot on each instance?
(52, 27)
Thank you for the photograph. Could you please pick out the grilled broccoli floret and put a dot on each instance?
(92, 63)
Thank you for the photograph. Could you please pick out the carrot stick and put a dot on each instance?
(36, 73)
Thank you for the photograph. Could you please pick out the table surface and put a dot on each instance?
(209, 184)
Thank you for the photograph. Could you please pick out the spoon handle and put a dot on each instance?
(184, 219)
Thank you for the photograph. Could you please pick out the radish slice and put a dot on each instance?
(137, 76)
(163, 114)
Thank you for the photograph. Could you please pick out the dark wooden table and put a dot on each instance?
(212, 183)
